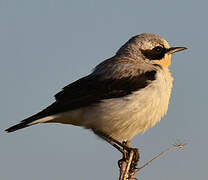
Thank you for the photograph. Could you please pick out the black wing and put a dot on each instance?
(88, 91)
(92, 89)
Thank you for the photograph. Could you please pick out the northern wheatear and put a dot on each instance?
(123, 96)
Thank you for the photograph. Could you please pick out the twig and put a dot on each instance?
(126, 175)
(122, 170)
(125, 166)
(131, 158)
(175, 146)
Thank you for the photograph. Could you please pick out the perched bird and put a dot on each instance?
(123, 96)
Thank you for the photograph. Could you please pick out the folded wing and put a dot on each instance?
(87, 91)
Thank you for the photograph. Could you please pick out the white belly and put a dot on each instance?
(123, 118)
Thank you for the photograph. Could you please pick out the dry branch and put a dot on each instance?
(131, 158)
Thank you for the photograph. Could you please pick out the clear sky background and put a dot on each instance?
(46, 44)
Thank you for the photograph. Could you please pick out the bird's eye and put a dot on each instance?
(157, 52)
(158, 49)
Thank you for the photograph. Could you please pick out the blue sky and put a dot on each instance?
(44, 45)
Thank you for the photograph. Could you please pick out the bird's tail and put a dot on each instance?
(17, 126)
(41, 117)
(28, 122)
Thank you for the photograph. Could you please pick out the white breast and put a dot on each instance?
(123, 118)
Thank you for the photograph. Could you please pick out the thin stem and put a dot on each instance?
(176, 146)
(125, 166)
(129, 164)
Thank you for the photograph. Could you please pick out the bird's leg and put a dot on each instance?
(115, 143)
(126, 153)
(128, 148)
(123, 147)
(128, 163)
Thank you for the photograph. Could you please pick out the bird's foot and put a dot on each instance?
(126, 155)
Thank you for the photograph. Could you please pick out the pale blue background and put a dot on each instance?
(46, 44)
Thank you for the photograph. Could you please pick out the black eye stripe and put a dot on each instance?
(156, 53)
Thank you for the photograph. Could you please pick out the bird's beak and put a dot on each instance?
(175, 49)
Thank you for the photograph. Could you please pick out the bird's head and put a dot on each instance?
(149, 47)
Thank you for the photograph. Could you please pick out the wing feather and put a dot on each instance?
(88, 91)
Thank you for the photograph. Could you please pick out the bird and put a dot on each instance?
(123, 96)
